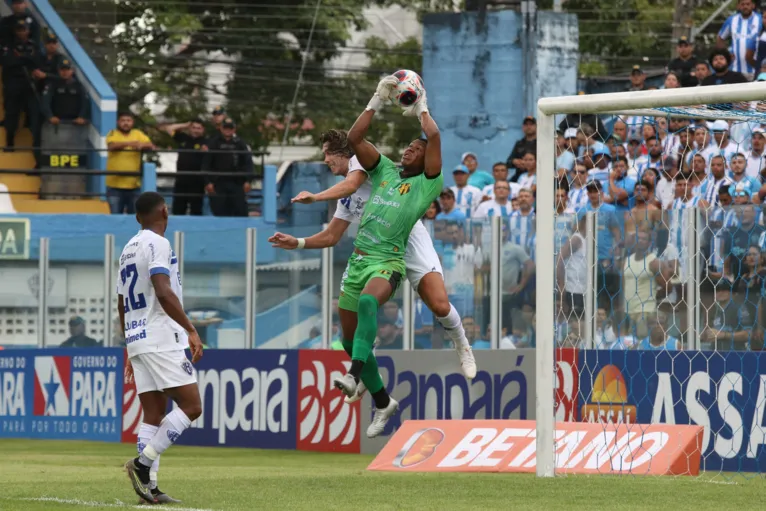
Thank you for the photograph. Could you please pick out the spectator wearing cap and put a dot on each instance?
(51, 60)
(77, 338)
(21, 64)
(709, 188)
(580, 120)
(64, 98)
(634, 151)
(125, 145)
(721, 143)
(467, 197)
(565, 160)
(188, 191)
(685, 63)
(8, 24)
(720, 61)
(527, 143)
(602, 163)
(476, 178)
(742, 27)
(637, 79)
(449, 209)
(228, 153)
(741, 180)
(219, 114)
(609, 251)
(500, 173)
(755, 157)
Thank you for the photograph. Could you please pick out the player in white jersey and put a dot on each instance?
(157, 331)
(424, 270)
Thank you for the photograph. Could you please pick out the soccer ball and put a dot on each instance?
(409, 89)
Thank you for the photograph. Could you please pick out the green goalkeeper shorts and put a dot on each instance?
(363, 268)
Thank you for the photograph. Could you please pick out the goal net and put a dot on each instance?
(650, 283)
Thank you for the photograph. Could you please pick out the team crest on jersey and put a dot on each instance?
(385, 272)
(383, 184)
(404, 188)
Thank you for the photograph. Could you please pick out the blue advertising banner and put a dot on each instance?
(61, 394)
(249, 399)
(725, 392)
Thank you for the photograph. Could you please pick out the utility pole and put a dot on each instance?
(682, 22)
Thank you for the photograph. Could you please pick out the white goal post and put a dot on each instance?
(649, 103)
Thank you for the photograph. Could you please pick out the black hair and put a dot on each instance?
(647, 184)
(197, 120)
(504, 164)
(147, 202)
(337, 142)
(124, 113)
(719, 51)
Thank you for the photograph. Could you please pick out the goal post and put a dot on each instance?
(725, 102)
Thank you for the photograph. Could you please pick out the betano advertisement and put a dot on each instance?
(285, 399)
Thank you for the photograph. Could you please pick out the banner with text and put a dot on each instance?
(61, 394)
(724, 392)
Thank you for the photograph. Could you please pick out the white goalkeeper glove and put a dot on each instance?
(419, 108)
(384, 93)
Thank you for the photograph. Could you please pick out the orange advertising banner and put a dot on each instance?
(509, 446)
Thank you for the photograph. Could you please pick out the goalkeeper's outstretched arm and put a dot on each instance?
(365, 152)
(329, 237)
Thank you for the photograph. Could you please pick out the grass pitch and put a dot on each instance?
(50, 475)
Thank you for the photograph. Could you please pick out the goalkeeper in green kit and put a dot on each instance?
(399, 198)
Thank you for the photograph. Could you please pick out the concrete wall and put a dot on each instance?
(485, 71)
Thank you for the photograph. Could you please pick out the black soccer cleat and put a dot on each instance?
(163, 498)
(139, 478)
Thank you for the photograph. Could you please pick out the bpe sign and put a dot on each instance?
(67, 161)
(61, 396)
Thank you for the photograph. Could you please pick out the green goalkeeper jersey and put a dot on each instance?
(395, 205)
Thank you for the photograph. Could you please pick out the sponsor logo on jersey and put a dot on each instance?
(383, 184)
(404, 188)
(325, 421)
(380, 201)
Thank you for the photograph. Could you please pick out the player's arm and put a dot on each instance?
(329, 237)
(345, 188)
(365, 152)
(434, 147)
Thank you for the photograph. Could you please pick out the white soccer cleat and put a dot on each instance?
(361, 390)
(467, 362)
(380, 419)
(346, 384)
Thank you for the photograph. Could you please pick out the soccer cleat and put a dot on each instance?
(346, 384)
(381, 417)
(361, 390)
(139, 478)
(467, 362)
(163, 498)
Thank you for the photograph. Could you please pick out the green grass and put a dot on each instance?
(90, 475)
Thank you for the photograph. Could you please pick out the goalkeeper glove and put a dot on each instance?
(419, 108)
(383, 93)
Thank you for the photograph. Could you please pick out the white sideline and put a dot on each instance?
(90, 503)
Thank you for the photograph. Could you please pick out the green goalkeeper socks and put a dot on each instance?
(370, 373)
(366, 328)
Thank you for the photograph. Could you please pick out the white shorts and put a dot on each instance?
(162, 370)
(421, 258)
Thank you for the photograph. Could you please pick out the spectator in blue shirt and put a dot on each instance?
(620, 185)
(477, 178)
(741, 27)
(449, 210)
(609, 246)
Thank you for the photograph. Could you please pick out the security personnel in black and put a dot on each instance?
(8, 24)
(51, 61)
(189, 191)
(64, 98)
(219, 114)
(228, 153)
(685, 63)
(21, 66)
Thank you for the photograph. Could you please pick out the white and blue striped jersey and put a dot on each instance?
(740, 30)
(709, 188)
(148, 329)
(727, 218)
(526, 181)
(521, 227)
(641, 164)
(467, 199)
(578, 198)
(679, 230)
